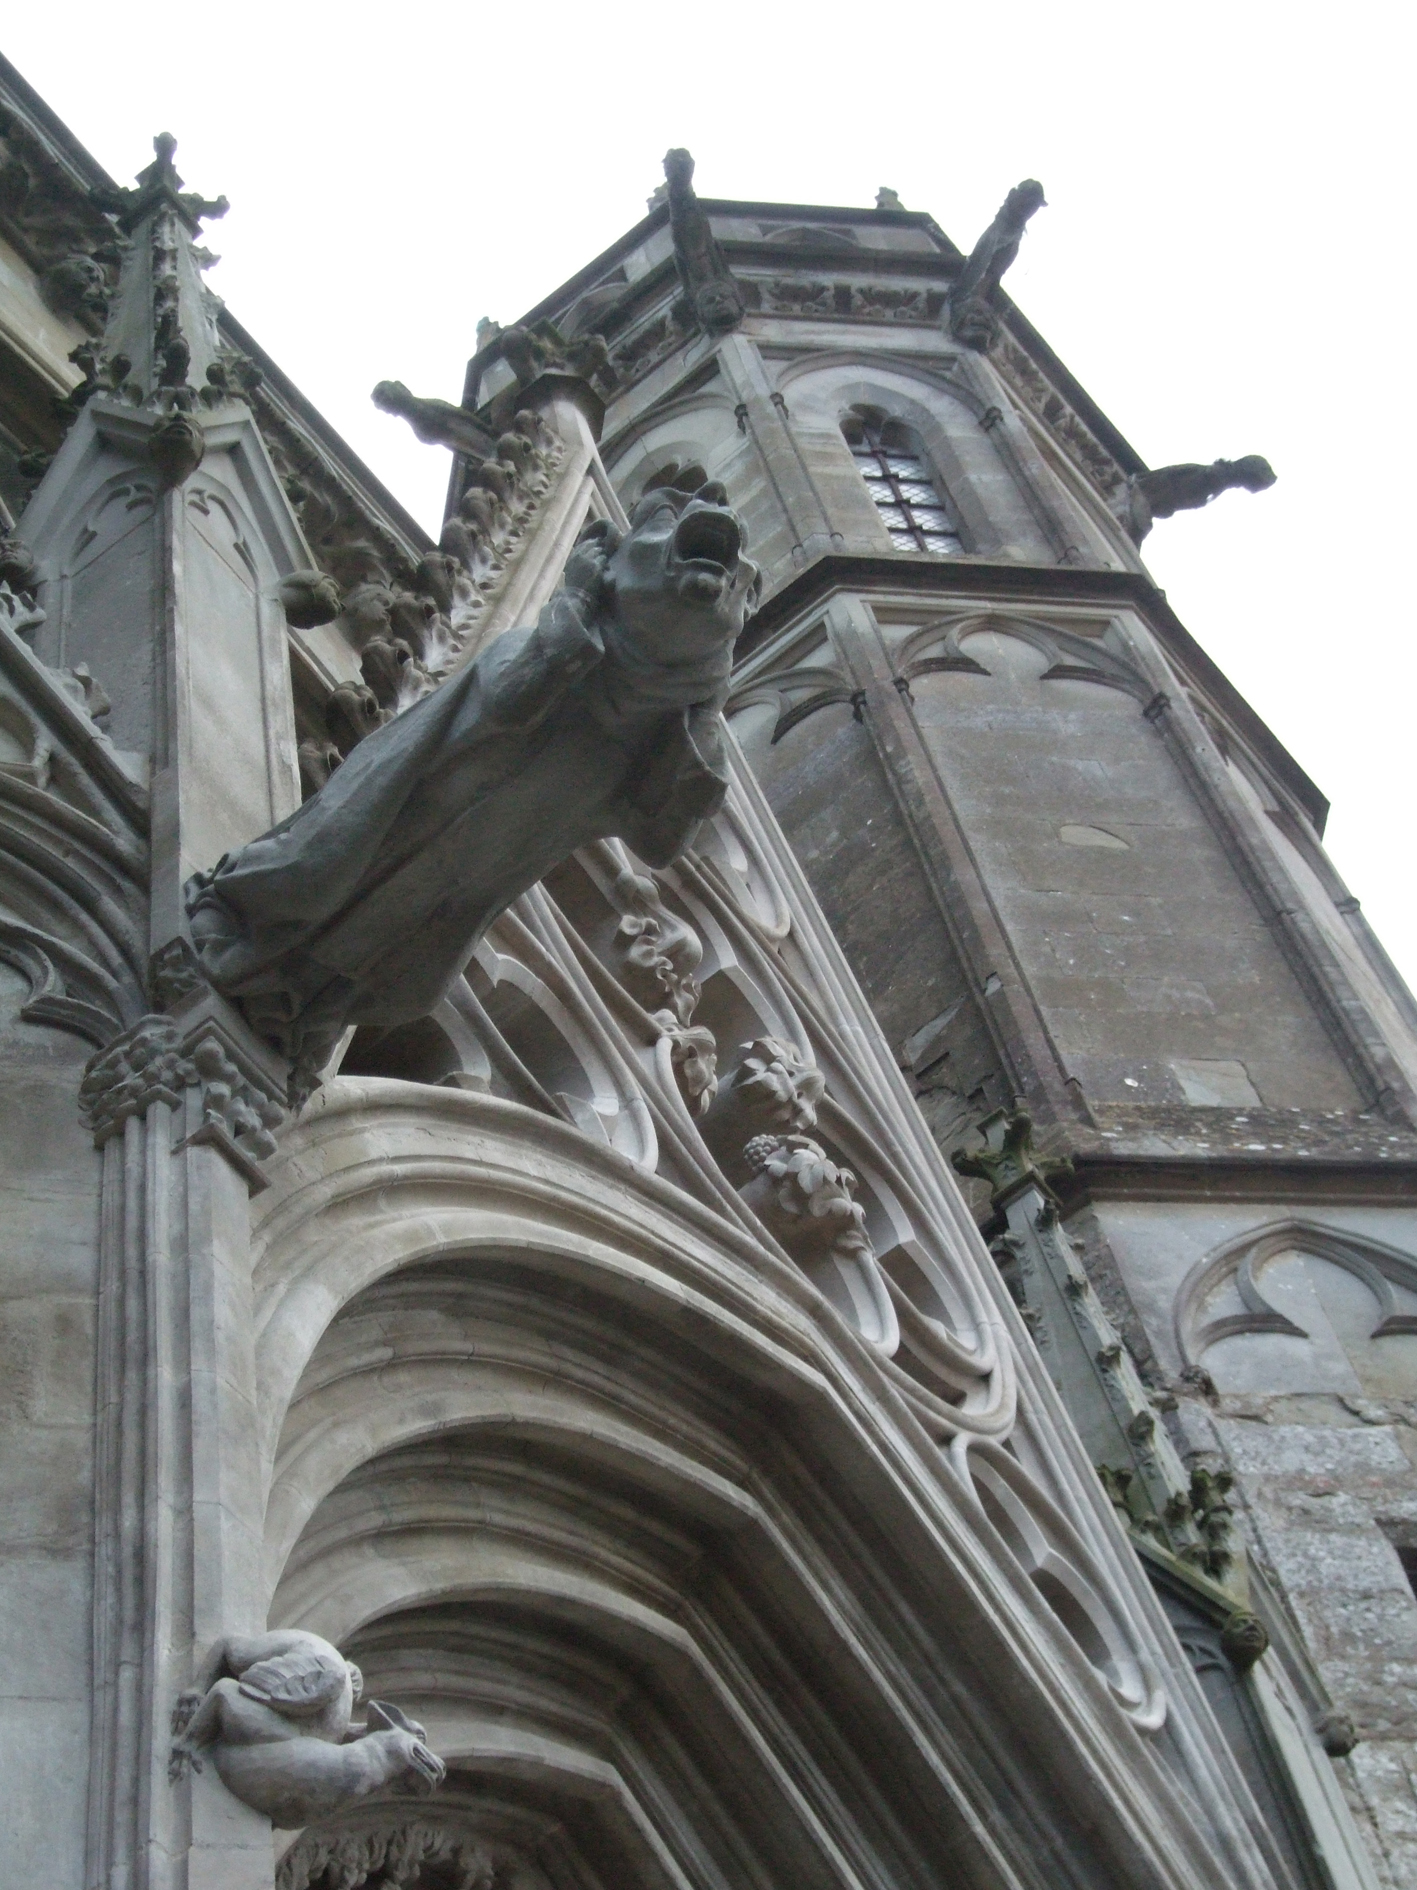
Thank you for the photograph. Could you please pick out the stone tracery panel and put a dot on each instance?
(1331, 1312)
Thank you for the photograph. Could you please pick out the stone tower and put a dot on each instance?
(576, 1435)
(1076, 876)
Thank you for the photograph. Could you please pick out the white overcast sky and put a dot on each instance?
(1223, 263)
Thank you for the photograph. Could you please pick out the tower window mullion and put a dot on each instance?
(914, 510)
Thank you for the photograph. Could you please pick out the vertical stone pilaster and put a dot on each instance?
(182, 1107)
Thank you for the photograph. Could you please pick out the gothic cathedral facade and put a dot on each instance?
(874, 1348)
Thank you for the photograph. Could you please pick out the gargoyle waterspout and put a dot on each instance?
(600, 721)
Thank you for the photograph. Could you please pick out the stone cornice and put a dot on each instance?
(1235, 1178)
(945, 579)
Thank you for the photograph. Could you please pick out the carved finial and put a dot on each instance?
(886, 199)
(1007, 1161)
(161, 352)
(971, 318)
(709, 288)
(1166, 490)
(157, 184)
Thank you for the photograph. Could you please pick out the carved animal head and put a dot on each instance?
(677, 583)
(409, 1767)
(1253, 473)
(1023, 201)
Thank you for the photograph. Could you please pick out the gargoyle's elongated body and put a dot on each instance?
(601, 720)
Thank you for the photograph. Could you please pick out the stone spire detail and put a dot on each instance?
(162, 539)
(160, 354)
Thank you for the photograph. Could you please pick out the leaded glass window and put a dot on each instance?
(912, 506)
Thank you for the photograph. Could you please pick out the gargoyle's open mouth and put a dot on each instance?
(707, 535)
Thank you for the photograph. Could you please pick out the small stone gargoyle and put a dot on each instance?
(277, 1725)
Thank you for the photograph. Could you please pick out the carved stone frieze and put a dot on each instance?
(1076, 440)
(876, 301)
(396, 1852)
(645, 347)
(790, 296)
(852, 301)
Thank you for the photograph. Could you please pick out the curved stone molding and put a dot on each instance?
(1379, 1267)
(547, 1427)
(941, 647)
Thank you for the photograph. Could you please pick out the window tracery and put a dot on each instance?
(914, 508)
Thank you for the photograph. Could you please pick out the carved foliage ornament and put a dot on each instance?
(396, 1851)
(1071, 433)
(804, 1198)
(156, 1062)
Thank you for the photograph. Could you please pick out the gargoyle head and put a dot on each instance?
(1023, 201)
(413, 1769)
(677, 583)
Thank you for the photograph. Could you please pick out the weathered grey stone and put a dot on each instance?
(602, 720)
(277, 1727)
(713, 1538)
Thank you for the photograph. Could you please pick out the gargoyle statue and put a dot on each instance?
(601, 720)
(971, 318)
(277, 1726)
(1166, 490)
(709, 289)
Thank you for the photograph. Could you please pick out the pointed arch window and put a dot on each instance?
(914, 507)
